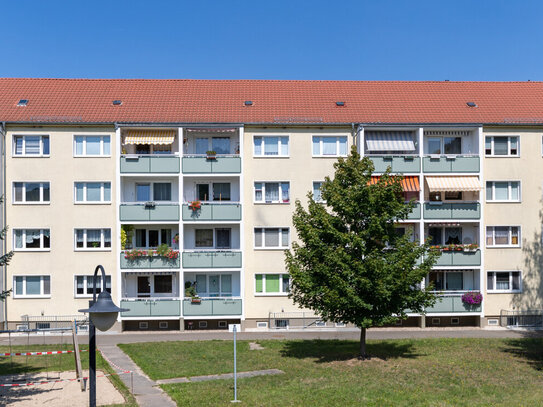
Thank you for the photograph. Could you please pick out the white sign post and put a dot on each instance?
(234, 328)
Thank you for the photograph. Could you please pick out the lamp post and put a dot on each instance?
(102, 314)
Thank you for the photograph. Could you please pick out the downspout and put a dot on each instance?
(4, 220)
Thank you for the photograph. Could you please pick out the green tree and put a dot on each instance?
(351, 265)
(5, 258)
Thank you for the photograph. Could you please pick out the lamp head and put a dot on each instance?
(103, 313)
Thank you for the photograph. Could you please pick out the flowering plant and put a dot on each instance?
(134, 254)
(195, 205)
(472, 298)
(176, 238)
(456, 247)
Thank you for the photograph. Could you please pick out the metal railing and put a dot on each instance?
(521, 319)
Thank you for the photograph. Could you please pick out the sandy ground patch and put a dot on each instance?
(57, 394)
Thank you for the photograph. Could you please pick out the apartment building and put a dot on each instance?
(184, 191)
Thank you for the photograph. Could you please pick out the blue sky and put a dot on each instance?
(229, 39)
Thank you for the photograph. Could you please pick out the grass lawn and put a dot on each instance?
(427, 372)
(56, 363)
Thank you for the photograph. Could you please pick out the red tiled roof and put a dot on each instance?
(222, 101)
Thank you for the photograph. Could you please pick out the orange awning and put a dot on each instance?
(409, 184)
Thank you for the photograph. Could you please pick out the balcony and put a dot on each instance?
(459, 258)
(149, 164)
(150, 211)
(218, 165)
(415, 213)
(453, 163)
(156, 307)
(448, 303)
(400, 164)
(213, 212)
(149, 262)
(212, 259)
(456, 210)
(212, 307)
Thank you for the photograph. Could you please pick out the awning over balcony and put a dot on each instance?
(164, 137)
(409, 184)
(453, 184)
(211, 130)
(389, 141)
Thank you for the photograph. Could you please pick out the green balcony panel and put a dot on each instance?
(437, 211)
(211, 259)
(151, 308)
(150, 262)
(445, 259)
(130, 165)
(415, 213)
(459, 210)
(399, 164)
(167, 212)
(459, 258)
(212, 307)
(164, 164)
(450, 164)
(219, 165)
(450, 303)
(137, 309)
(213, 212)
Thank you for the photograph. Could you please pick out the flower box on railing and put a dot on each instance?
(456, 247)
(195, 205)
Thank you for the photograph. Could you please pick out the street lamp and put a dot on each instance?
(102, 314)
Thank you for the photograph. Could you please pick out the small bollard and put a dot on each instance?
(234, 328)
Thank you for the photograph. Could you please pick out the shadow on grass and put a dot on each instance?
(530, 349)
(7, 367)
(329, 351)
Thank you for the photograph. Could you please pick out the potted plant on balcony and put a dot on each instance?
(135, 254)
(176, 238)
(472, 298)
(166, 251)
(195, 205)
(471, 247)
(190, 291)
(211, 155)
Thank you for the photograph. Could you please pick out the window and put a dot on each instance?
(31, 286)
(83, 285)
(444, 145)
(214, 285)
(271, 146)
(31, 192)
(31, 146)
(221, 191)
(272, 283)
(271, 238)
(502, 236)
(507, 146)
(147, 238)
(329, 146)
(503, 281)
(93, 192)
(503, 191)
(272, 192)
(157, 191)
(221, 145)
(91, 146)
(92, 239)
(204, 237)
(163, 284)
(446, 280)
(31, 239)
(317, 193)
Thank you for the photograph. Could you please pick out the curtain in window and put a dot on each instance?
(32, 192)
(452, 145)
(285, 186)
(271, 146)
(258, 191)
(501, 146)
(143, 192)
(80, 285)
(284, 237)
(502, 281)
(221, 191)
(18, 191)
(162, 191)
(501, 191)
(18, 146)
(342, 145)
(286, 285)
(316, 145)
(19, 285)
(141, 238)
(226, 285)
(79, 145)
(93, 238)
(214, 285)
(272, 283)
(107, 191)
(257, 142)
(454, 281)
(79, 237)
(515, 196)
(46, 193)
(93, 191)
(204, 237)
(166, 236)
(271, 238)
(202, 145)
(107, 237)
(258, 237)
(90, 284)
(33, 285)
(107, 147)
(32, 144)
(223, 238)
(272, 192)
(488, 144)
(284, 145)
(45, 145)
(453, 235)
(317, 191)
(79, 191)
(33, 238)
(221, 145)
(501, 235)
(434, 145)
(93, 145)
(516, 280)
(46, 239)
(258, 283)
(201, 287)
(329, 146)
(490, 281)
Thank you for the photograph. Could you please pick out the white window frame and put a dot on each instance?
(279, 293)
(510, 290)
(24, 154)
(508, 146)
(39, 249)
(337, 137)
(24, 201)
(221, 294)
(152, 190)
(313, 189)
(281, 199)
(279, 146)
(24, 295)
(264, 228)
(509, 192)
(85, 286)
(101, 248)
(149, 229)
(509, 238)
(102, 138)
(442, 145)
(102, 193)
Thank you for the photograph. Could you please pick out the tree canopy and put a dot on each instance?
(350, 264)
(6, 257)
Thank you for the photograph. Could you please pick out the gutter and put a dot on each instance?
(3, 286)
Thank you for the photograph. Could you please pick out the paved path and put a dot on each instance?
(147, 395)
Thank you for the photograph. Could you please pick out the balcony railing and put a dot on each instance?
(415, 213)
(450, 210)
(213, 211)
(149, 262)
(212, 307)
(402, 164)
(221, 164)
(212, 259)
(149, 164)
(448, 303)
(451, 163)
(148, 211)
(459, 258)
(151, 307)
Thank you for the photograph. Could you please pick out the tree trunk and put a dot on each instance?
(362, 354)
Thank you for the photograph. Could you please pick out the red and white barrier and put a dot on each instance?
(49, 352)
